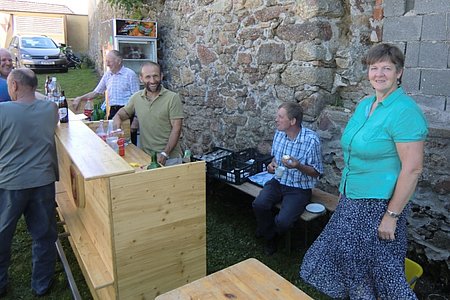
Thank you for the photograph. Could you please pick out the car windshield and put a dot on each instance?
(38, 42)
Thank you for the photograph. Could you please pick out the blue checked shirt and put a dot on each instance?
(306, 149)
(120, 86)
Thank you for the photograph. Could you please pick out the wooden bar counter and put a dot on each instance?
(136, 233)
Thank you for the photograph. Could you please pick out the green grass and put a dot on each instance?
(74, 83)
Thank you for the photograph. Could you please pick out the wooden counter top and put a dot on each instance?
(93, 157)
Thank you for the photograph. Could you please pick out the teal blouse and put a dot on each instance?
(372, 164)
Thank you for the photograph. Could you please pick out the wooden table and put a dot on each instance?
(249, 279)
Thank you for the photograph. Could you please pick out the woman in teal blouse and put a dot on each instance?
(361, 252)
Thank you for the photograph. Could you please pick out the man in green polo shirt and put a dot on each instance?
(160, 115)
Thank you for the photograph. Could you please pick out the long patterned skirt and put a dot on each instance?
(349, 260)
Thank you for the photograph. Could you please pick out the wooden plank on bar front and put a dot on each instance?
(89, 257)
(159, 231)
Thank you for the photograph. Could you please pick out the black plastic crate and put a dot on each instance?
(213, 156)
(251, 154)
(231, 170)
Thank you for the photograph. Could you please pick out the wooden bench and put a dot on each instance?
(328, 200)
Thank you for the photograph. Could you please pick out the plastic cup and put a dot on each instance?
(279, 171)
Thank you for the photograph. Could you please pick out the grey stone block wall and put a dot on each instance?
(431, 6)
(394, 8)
(424, 27)
(433, 55)
(412, 55)
(402, 28)
(434, 27)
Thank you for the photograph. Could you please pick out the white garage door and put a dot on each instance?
(39, 25)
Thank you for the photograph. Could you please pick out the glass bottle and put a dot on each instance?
(101, 131)
(110, 131)
(51, 86)
(46, 87)
(187, 156)
(88, 109)
(154, 163)
(100, 112)
(94, 115)
(56, 89)
(63, 109)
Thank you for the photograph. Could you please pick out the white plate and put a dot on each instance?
(315, 208)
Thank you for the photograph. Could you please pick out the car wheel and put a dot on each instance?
(65, 70)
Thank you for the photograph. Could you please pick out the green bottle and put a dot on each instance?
(154, 163)
(95, 116)
(101, 113)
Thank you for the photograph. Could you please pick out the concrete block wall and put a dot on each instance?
(422, 28)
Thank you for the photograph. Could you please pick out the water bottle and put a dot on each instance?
(110, 130)
(51, 87)
(101, 131)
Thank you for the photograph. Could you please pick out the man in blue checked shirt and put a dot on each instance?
(297, 164)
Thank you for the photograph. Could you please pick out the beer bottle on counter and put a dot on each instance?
(154, 163)
(187, 156)
(63, 109)
(94, 115)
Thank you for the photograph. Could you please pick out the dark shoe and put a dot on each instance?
(3, 291)
(46, 291)
(271, 246)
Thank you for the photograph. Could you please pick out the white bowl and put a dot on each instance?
(315, 208)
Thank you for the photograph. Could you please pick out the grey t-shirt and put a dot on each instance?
(27, 144)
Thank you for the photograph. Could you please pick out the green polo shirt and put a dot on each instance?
(372, 164)
(154, 119)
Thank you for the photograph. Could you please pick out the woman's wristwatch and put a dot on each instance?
(392, 214)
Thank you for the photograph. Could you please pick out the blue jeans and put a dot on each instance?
(38, 207)
(293, 201)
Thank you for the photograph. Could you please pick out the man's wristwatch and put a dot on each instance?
(164, 154)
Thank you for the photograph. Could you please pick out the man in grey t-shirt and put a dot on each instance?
(28, 168)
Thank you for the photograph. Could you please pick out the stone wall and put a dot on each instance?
(422, 29)
(235, 61)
